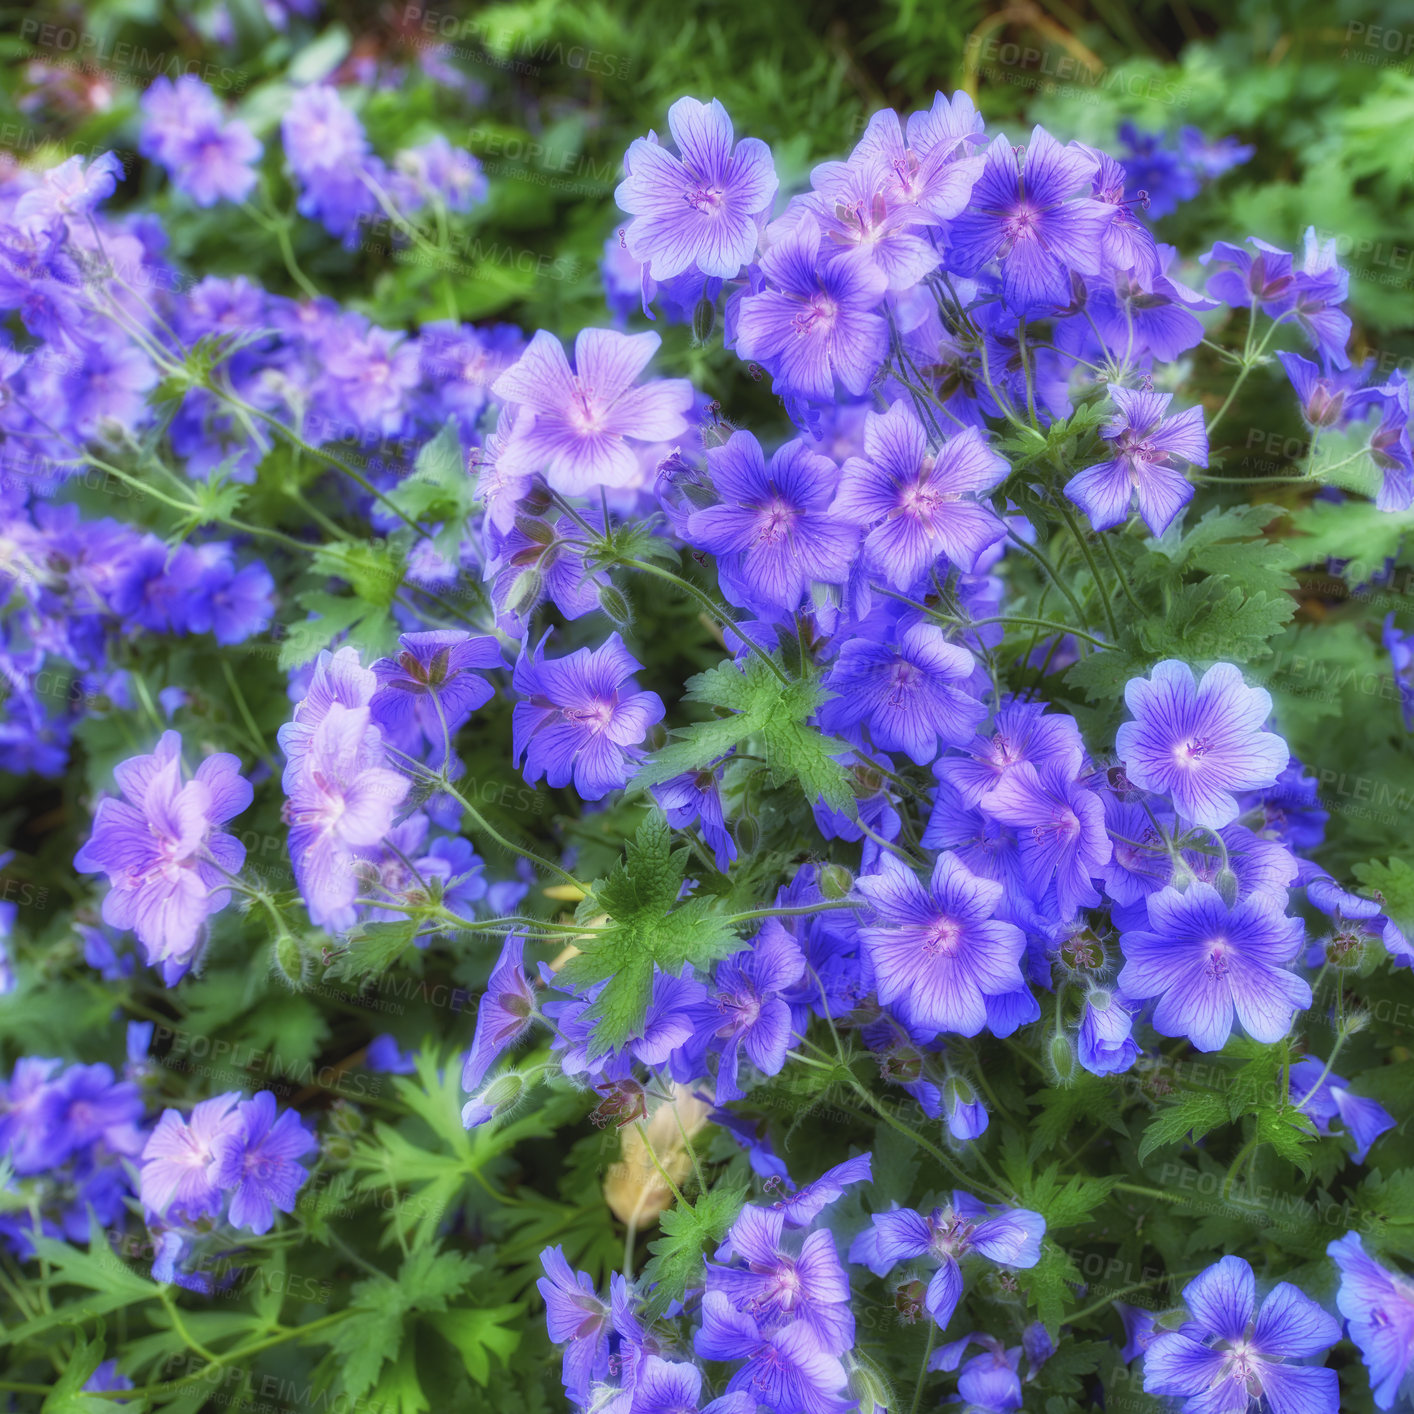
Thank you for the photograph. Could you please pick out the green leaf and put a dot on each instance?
(1290, 1132)
(1392, 885)
(372, 1334)
(1048, 1284)
(68, 1395)
(777, 714)
(1193, 1115)
(439, 489)
(367, 626)
(398, 1390)
(647, 928)
(371, 571)
(373, 948)
(479, 1334)
(1339, 530)
(688, 1230)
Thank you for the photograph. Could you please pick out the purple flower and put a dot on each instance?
(1199, 742)
(965, 1115)
(1010, 1238)
(258, 1161)
(208, 159)
(702, 210)
(72, 189)
(433, 683)
(1149, 448)
(1026, 214)
(1060, 825)
(1241, 279)
(911, 697)
(176, 1178)
(785, 1371)
(938, 950)
(1023, 732)
(1330, 1099)
(916, 504)
(1378, 1304)
(1104, 1044)
(437, 169)
(504, 1014)
(802, 1208)
(165, 861)
(1205, 959)
(343, 800)
(777, 1282)
(1232, 1357)
(675, 1387)
(813, 322)
(752, 1016)
(338, 678)
(697, 795)
(581, 717)
(577, 1318)
(575, 425)
(772, 531)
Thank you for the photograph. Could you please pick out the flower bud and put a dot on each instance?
(870, 1388)
(502, 1094)
(289, 961)
(525, 590)
(704, 320)
(836, 881)
(1226, 884)
(1063, 1057)
(615, 604)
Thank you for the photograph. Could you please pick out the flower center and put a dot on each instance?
(943, 937)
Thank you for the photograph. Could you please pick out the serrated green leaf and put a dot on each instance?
(372, 948)
(1193, 1115)
(688, 1230)
(646, 928)
(479, 1334)
(774, 713)
(1393, 885)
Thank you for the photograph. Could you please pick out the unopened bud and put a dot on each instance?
(289, 961)
(525, 590)
(871, 1390)
(1063, 1058)
(1226, 885)
(836, 881)
(704, 321)
(615, 604)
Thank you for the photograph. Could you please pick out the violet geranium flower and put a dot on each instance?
(916, 505)
(911, 696)
(1234, 1357)
(343, 800)
(433, 681)
(576, 425)
(1060, 829)
(581, 718)
(937, 949)
(701, 210)
(1149, 448)
(164, 859)
(504, 1014)
(1206, 960)
(814, 322)
(1199, 742)
(773, 532)
(259, 1162)
(1030, 216)
(175, 1178)
(1010, 1238)
(1378, 1305)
